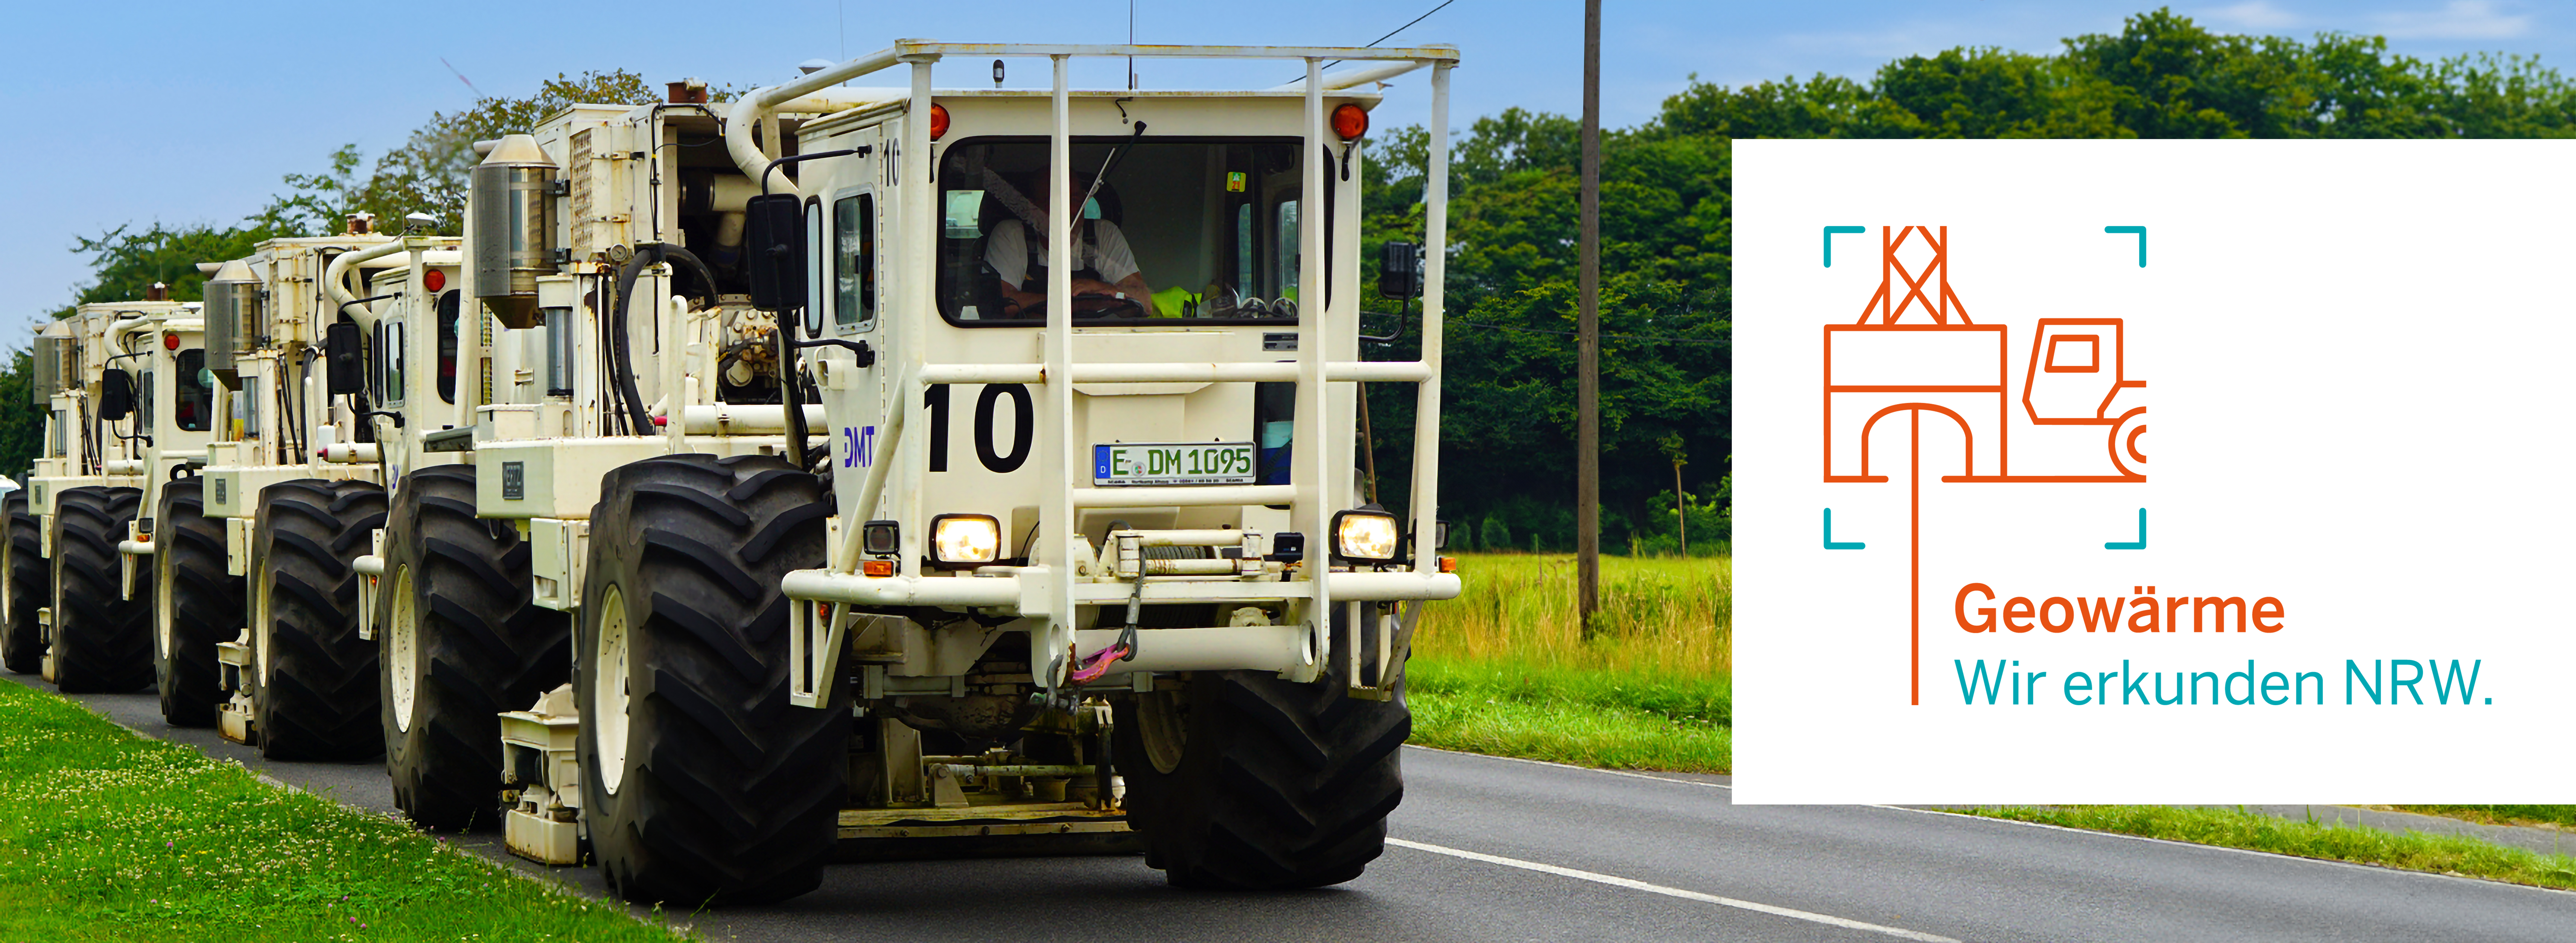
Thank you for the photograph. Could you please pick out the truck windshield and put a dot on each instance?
(1178, 229)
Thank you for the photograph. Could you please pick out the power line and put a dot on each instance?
(1390, 34)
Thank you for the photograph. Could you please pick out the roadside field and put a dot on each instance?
(105, 835)
(1506, 668)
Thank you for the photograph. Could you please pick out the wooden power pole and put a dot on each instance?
(1587, 487)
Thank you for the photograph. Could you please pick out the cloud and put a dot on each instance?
(2258, 15)
(2458, 19)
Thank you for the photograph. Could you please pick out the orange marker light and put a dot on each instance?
(877, 567)
(434, 279)
(1448, 564)
(169, 342)
(1350, 121)
(938, 121)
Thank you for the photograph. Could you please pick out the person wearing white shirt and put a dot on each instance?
(1103, 264)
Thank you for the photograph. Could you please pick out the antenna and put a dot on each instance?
(1131, 40)
(460, 76)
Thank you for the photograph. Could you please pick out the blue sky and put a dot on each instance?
(190, 112)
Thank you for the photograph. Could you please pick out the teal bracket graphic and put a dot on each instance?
(1829, 240)
(1831, 543)
(2142, 535)
(2142, 240)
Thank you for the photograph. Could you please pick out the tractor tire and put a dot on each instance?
(460, 642)
(701, 783)
(102, 642)
(30, 587)
(196, 603)
(1245, 781)
(313, 680)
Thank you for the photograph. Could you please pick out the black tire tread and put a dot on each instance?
(486, 649)
(102, 641)
(731, 795)
(204, 603)
(318, 700)
(31, 587)
(1280, 785)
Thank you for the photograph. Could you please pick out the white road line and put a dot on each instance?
(1636, 885)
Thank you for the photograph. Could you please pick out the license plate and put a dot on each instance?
(1173, 463)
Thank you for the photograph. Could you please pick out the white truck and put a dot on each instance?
(253, 565)
(868, 547)
(132, 408)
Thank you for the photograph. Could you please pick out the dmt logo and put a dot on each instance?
(858, 446)
(2074, 388)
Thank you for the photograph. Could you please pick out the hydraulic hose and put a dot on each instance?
(622, 360)
(618, 362)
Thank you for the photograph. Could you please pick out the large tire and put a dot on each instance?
(196, 603)
(701, 783)
(460, 643)
(30, 587)
(314, 681)
(102, 642)
(1243, 781)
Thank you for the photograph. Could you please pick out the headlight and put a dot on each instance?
(1364, 534)
(880, 537)
(964, 540)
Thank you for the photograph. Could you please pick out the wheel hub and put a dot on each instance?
(609, 695)
(161, 644)
(1162, 723)
(259, 626)
(403, 638)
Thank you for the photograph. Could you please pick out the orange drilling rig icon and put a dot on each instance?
(2075, 383)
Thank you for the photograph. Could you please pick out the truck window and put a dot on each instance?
(1207, 227)
(448, 309)
(196, 408)
(389, 359)
(854, 262)
(144, 404)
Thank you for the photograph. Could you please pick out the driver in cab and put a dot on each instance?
(1105, 277)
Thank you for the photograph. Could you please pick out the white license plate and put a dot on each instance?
(1173, 463)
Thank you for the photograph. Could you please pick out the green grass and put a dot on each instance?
(108, 836)
(2563, 816)
(1587, 719)
(2234, 828)
(1506, 669)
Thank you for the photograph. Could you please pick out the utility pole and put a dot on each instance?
(1681, 505)
(1587, 487)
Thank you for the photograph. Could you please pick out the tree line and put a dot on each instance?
(1508, 390)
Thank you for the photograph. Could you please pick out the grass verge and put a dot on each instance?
(2232, 828)
(108, 836)
(1583, 718)
(1508, 670)
(2561, 816)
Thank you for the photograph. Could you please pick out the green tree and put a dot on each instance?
(1508, 393)
(427, 174)
(124, 261)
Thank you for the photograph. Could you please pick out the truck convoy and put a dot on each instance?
(129, 409)
(859, 471)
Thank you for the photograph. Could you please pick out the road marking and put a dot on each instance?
(1636, 885)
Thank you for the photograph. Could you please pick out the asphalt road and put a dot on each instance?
(1491, 850)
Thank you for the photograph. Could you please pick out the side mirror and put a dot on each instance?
(774, 251)
(1399, 270)
(115, 395)
(343, 361)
